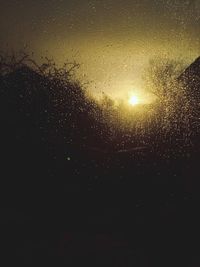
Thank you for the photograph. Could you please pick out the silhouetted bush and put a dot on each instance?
(46, 104)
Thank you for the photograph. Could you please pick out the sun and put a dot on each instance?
(134, 100)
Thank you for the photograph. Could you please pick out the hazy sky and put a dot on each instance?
(113, 39)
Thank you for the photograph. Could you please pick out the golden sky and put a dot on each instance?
(112, 39)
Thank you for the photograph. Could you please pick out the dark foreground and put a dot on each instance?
(71, 205)
(98, 210)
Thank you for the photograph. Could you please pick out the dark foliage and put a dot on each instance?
(76, 189)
